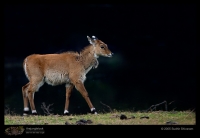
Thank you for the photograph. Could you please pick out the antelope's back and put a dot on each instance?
(50, 61)
(55, 68)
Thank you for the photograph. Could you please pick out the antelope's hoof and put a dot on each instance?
(34, 114)
(26, 113)
(67, 114)
(94, 111)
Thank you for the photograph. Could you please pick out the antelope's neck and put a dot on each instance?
(88, 57)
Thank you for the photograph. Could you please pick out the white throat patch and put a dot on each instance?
(95, 55)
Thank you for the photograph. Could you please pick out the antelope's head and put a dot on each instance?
(100, 48)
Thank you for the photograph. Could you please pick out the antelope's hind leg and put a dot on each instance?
(25, 98)
(28, 95)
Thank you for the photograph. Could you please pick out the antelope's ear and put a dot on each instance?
(90, 40)
(94, 37)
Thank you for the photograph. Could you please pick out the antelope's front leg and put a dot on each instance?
(69, 88)
(81, 88)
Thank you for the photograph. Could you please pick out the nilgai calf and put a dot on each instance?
(68, 68)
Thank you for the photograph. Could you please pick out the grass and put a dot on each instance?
(155, 118)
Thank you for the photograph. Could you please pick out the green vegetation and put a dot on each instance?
(133, 118)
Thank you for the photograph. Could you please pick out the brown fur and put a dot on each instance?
(68, 67)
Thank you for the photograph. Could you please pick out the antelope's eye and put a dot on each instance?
(102, 47)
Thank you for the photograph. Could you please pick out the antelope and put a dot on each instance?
(69, 68)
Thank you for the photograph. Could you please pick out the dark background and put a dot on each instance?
(154, 48)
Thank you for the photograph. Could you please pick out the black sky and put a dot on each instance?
(59, 26)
